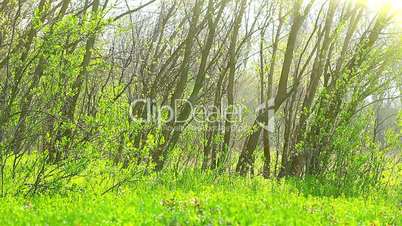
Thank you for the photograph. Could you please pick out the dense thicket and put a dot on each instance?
(70, 72)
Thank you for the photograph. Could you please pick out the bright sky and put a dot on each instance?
(395, 6)
(375, 4)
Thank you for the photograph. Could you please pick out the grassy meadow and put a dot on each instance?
(196, 199)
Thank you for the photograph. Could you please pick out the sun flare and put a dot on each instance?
(393, 5)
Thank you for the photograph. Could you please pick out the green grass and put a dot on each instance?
(193, 199)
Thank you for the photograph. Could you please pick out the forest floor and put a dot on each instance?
(195, 200)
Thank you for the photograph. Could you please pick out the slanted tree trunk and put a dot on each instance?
(159, 155)
(318, 68)
(245, 160)
(231, 79)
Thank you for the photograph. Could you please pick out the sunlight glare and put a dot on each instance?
(393, 6)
